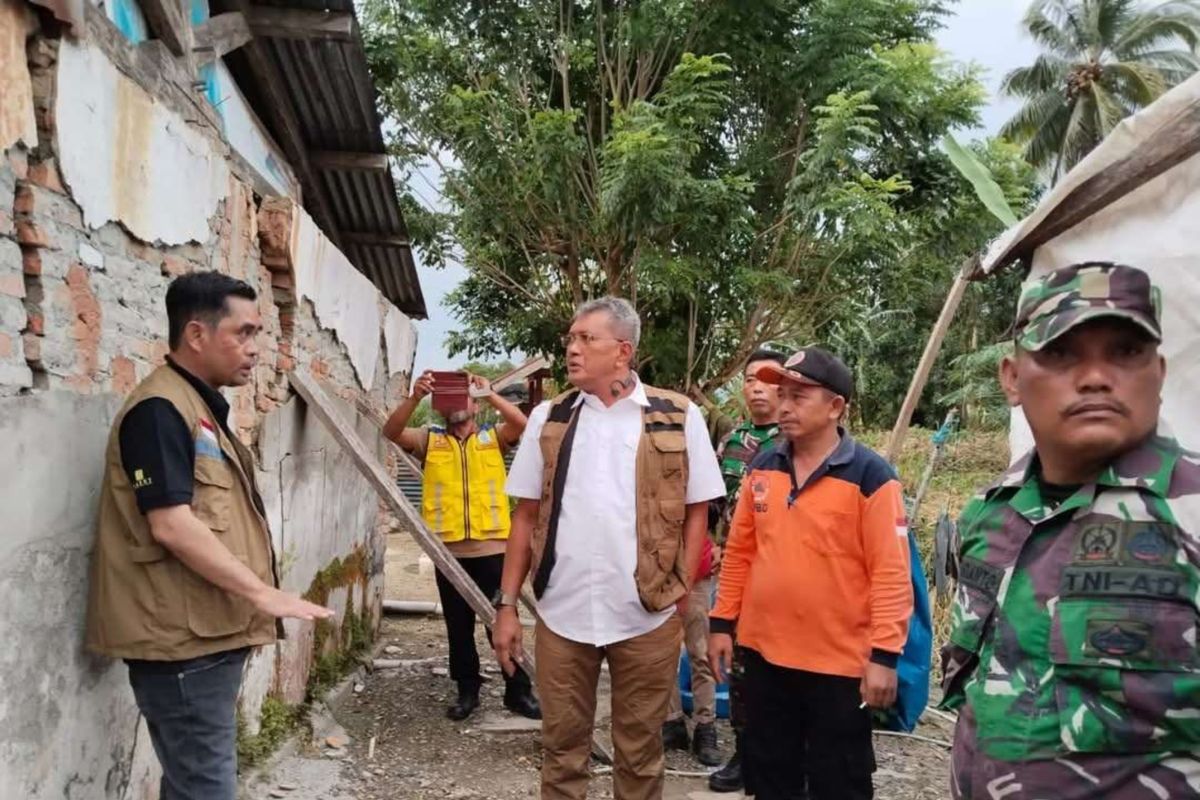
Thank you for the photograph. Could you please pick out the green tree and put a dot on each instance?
(1102, 60)
(743, 172)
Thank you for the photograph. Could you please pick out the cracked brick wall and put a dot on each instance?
(82, 320)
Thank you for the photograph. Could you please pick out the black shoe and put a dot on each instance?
(524, 704)
(468, 701)
(704, 745)
(675, 735)
(729, 777)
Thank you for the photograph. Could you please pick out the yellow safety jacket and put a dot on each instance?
(463, 490)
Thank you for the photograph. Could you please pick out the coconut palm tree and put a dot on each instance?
(1102, 60)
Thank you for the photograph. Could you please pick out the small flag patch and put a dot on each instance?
(901, 527)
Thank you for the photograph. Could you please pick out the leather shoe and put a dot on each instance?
(524, 704)
(729, 777)
(468, 701)
(675, 735)
(704, 745)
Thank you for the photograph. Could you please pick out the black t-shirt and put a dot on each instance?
(157, 449)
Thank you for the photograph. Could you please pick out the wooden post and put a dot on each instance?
(375, 473)
(925, 366)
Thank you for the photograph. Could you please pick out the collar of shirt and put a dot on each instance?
(637, 396)
(217, 404)
(842, 454)
(1148, 466)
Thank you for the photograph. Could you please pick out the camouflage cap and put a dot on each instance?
(1070, 296)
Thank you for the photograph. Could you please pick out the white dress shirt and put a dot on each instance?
(592, 596)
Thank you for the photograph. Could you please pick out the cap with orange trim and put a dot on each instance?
(813, 366)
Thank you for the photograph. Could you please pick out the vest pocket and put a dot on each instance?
(213, 612)
(212, 495)
(1127, 672)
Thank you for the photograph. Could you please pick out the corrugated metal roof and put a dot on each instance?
(334, 103)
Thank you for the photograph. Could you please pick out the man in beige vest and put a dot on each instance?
(183, 579)
(613, 481)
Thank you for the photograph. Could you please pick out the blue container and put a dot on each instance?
(685, 689)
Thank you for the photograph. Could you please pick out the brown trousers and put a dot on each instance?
(643, 672)
(695, 637)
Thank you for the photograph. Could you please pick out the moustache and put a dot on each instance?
(1093, 404)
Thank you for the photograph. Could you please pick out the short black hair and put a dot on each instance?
(203, 296)
(766, 355)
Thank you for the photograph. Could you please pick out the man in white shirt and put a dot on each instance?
(613, 481)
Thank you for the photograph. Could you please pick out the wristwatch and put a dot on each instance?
(500, 600)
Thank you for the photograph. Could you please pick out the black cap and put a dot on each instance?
(812, 366)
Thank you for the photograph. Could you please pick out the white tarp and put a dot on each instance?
(1155, 228)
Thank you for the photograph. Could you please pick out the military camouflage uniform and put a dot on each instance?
(735, 453)
(1073, 653)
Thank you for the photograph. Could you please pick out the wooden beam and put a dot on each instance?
(1175, 142)
(280, 114)
(925, 366)
(152, 67)
(345, 160)
(375, 239)
(171, 23)
(219, 35)
(344, 434)
(295, 23)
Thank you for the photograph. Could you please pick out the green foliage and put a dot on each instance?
(743, 172)
(989, 192)
(977, 391)
(1101, 61)
(276, 722)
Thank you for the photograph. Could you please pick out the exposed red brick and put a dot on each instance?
(85, 328)
(33, 348)
(36, 324)
(18, 162)
(283, 280)
(31, 261)
(144, 252)
(12, 285)
(32, 235)
(285, 363)
(45, 174)
(124, 376)
(6, 346)
(319, 368)
(81, 384)
(174, 266)
(23, 200)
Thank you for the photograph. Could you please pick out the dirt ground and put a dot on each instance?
(397, 743)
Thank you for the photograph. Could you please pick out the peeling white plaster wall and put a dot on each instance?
(245, 135)
(17, 122)
(400, 338)
(129, 159)
(347, 303)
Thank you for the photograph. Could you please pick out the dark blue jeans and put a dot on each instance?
(190, 710)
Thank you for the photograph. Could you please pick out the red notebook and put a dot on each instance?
(450, 392)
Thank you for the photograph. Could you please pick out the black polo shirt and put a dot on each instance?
(157, 449)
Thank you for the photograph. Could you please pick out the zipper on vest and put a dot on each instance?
(466, 488)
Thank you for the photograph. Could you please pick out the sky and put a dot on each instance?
(986, 32)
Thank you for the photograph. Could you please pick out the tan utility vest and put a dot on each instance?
(143, 602)
(661, 486)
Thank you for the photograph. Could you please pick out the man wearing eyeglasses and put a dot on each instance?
(613, 481)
